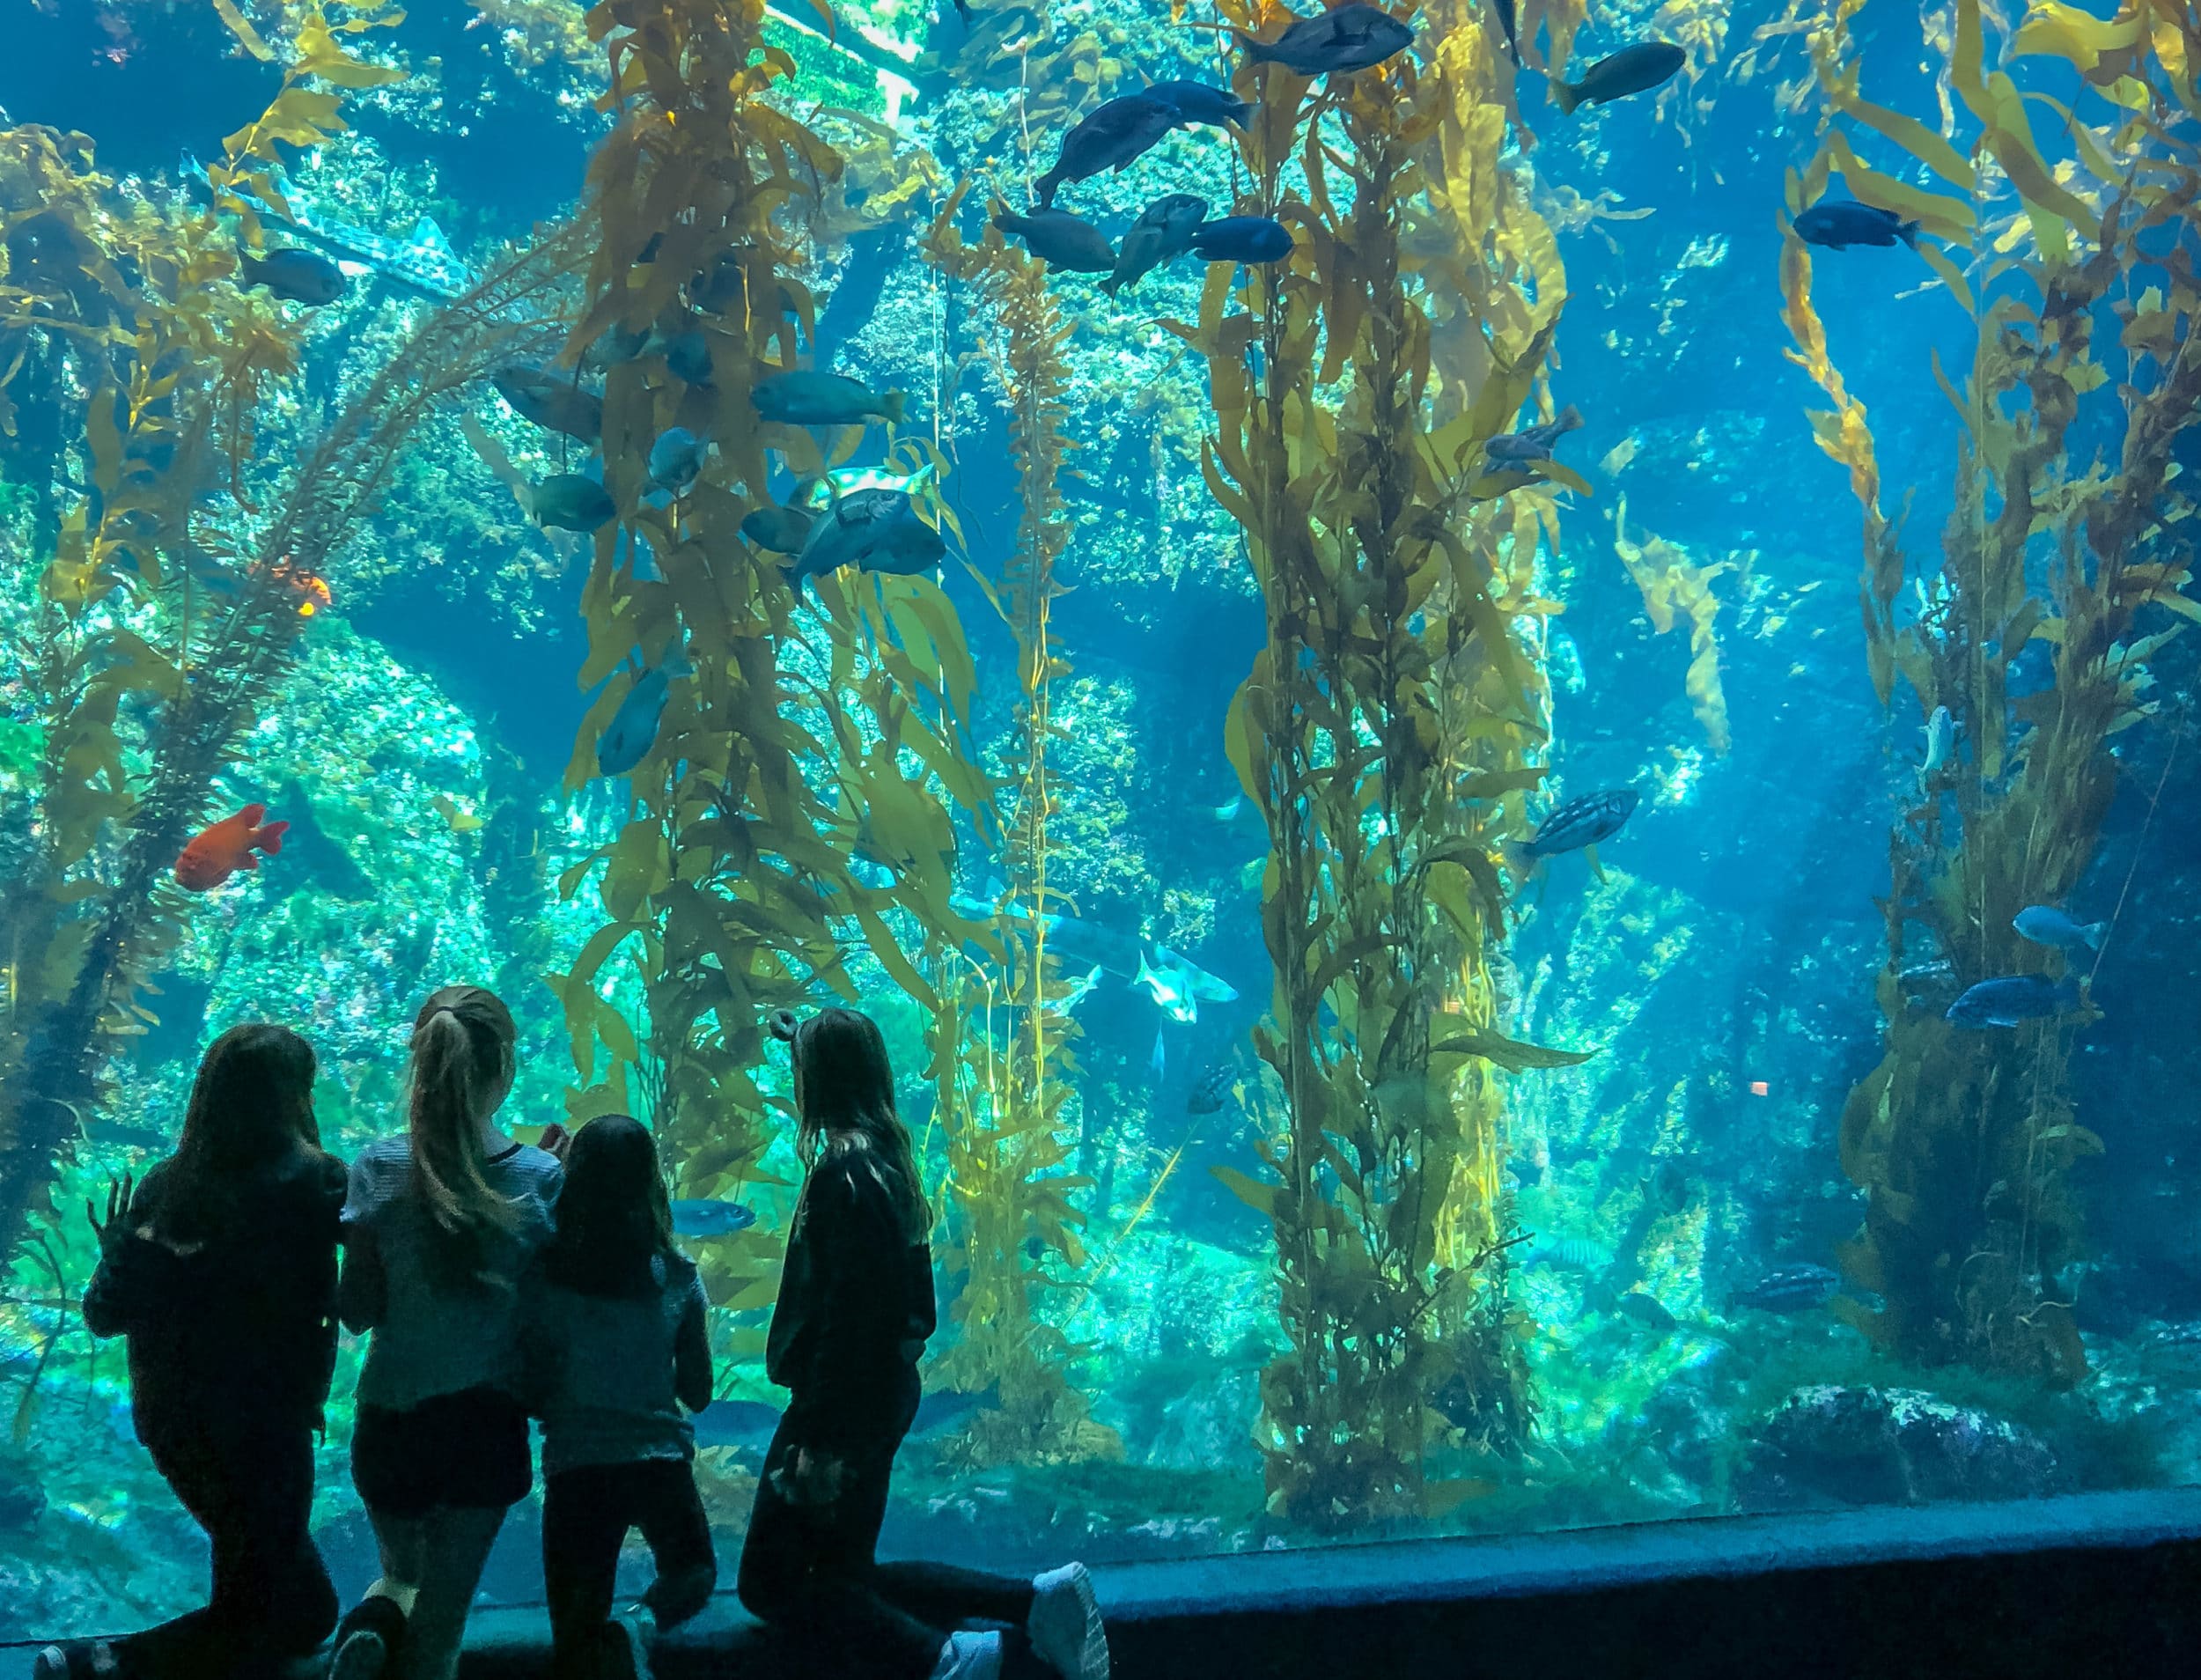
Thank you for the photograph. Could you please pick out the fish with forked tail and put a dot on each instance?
(221, 849)
(1060, 239)
(2012, 999)
(1633, 70)
(1165, 230)
(1533, 443)
(1112, 135)
(1839, 223)
(1351, 37)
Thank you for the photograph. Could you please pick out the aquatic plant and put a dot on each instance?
(1002, 1056)
(1673, 590)
(793, 806)
(1965, 1139)
(1384, 734)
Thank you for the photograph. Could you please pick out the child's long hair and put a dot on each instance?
(462, 1065)
(844, 1088)
(251, 1113)
(613, 1219)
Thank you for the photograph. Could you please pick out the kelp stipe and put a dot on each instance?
(782, 751)
(1003, 1060)
(1965, 1138)
(1392, 695)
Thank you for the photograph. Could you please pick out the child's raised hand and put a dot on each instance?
(118, 1205)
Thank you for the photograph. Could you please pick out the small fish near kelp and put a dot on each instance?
(1343, 39)
(1196, 102)
(676, 460)
(221, 849)
(1242, 239)
(1210, 1090)
(1791, 1289)
(783, 530)
(571, 502)
(2012, 999)
(1633, 70)
(804, 397)
(874, 530)
(2045, 924)
(1839, 223)
(633, 729)
(1112, 135)
(1941, 741)
(1163, 232)
(704, 1220)
(1059, 240)
(294, 274)
(553, 403)
(1533, 443)
(1578, 825)
(1648, 1311)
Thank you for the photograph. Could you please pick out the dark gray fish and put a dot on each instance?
(1839, 223)
(1533, 443)
(1792, 1289)
(1242, 239)
(1583, 822)
(780, 529)
(1111, 136)
(553, 404)
(687, 358)
(1505, 9)
(1353, 37)
(1060, 239)
(301, 276)
(1646, 1310)
(1163, 232)
(614, 347)
(711, 1219)
(874, 530)
(1209, 1089)
(804, 397)
(1633, 70)
(571, 502)
(1196, 102)
(2014, 999)
(676, 458)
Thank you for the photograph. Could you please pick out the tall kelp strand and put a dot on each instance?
(2055, 244)
(1382, 732)
(1004, 1063)
(176, 362)
(782, 785)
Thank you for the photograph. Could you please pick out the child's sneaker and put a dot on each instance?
(366, 1639)
(1065, 1623)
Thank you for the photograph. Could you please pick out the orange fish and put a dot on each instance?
(225, 847)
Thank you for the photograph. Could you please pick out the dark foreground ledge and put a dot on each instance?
(2091, 1586)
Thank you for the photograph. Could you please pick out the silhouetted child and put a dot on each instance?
(613, 1346)
(221, 1270)
(855, 1311)
(441, 1222)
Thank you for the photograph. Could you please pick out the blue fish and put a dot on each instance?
(2014, 999)
(633, 729)
(1196, 102)
(1242, 239)
(1838, 223)
(2044, 925)
(676, 458)
(302, 276)
(711, 1219)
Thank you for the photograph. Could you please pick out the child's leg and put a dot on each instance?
(947, 1596)
(670, 1514)
(455, 1542)
(583, 1521)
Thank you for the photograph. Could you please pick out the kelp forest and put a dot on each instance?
(1244, 579)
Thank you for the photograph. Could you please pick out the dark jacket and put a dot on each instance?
(242, 1323)
(855, 1298)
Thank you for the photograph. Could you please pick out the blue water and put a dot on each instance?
(1721, 956)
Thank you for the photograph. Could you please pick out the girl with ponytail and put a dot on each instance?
(440, 1222)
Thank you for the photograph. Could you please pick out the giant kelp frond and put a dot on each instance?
(1964, 1139)
(1673, 590)
(1002, 1058)
(795, 805)
(1385, 732)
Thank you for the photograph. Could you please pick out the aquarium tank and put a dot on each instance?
(1496, 698)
